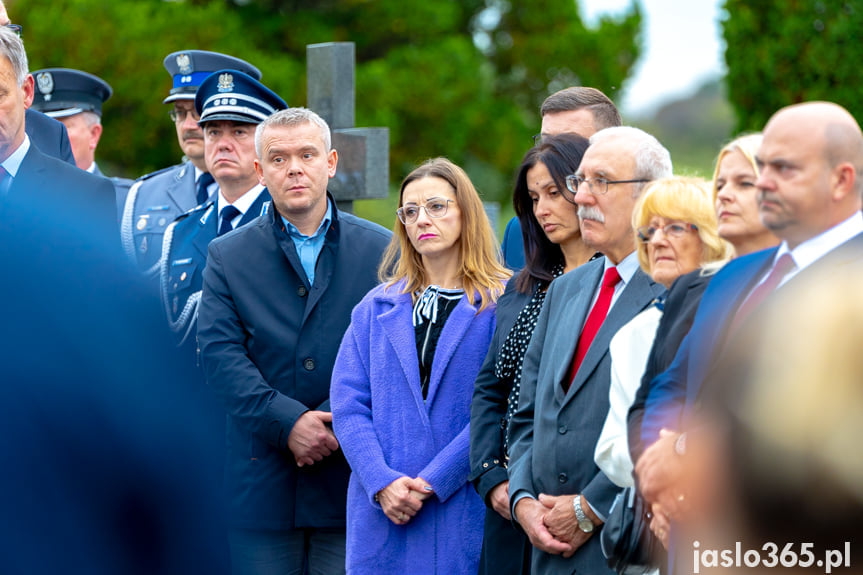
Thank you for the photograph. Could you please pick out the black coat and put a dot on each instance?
(677, 316)
(505, 547)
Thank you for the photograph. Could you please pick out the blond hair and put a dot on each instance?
(479, 254)
(747, 145)
(687, 200)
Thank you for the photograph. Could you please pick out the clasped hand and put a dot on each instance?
(402, 499)
(311, 439)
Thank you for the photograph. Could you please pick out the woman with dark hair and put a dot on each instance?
(553, 246)
(403, 380)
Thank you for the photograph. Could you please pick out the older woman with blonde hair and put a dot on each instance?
(403, 381)
(677, 233)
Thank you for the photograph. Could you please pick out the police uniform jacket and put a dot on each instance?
(153, 202)
(268, 344)
(185, 255)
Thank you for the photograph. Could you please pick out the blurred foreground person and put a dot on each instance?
(775, 462)
(104, 457)
(403, 381)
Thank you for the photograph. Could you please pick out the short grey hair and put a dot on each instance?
(293, 117)
(652, 160)
(12, 47)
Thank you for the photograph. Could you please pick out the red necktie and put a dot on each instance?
(783, 266)
(594, 321)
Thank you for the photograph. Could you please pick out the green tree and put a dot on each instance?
(781, 52)
(460, 78)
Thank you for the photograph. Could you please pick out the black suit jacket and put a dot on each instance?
(49, 135)
(677, 316)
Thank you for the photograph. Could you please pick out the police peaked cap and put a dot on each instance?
(189, 68)
(233, 95)
(62, 92)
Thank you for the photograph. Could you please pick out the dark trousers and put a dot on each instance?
(294, 552)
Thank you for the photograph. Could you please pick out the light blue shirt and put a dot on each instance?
(13, 163)
(309, 247)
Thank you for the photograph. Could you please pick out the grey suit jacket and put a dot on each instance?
(564, 428)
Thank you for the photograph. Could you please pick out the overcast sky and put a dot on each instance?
(682, 48)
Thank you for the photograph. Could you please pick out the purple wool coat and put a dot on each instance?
(387, 431)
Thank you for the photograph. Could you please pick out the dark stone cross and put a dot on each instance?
(364, 153)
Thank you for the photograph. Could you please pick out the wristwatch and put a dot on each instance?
(584, 522)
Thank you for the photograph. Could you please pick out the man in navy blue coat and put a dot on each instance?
(809, 195)
(277, 299)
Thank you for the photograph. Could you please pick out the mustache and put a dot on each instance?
(193, 135)
(590, 213)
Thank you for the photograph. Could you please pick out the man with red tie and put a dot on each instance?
(558, 494)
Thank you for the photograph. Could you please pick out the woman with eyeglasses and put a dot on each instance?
(735, 202)
(403, 380)
(676, 233)
(553, 246)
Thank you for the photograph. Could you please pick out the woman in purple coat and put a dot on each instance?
(403, 381)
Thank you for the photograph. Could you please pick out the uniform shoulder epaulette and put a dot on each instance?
(157, 172)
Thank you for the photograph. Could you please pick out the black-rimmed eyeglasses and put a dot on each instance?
(596, 186)
(435, 208)
(673, 230)
(16, 28)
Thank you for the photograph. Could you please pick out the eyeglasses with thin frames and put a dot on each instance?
(674, 230)
(596, 186)
(435, 208)
(178, 115)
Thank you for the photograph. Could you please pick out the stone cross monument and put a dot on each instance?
(364, 155)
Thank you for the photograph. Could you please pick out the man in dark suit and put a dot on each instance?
(809, 195)
(576, 110)
(277, 299)
(49, 135)
(230, 104)
(558, 494)
(26, 171)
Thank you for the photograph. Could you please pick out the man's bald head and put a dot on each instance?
(811, 160)
(834, 127)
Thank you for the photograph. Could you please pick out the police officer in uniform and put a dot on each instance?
(155, 200)
(75, 98)
(230, 104)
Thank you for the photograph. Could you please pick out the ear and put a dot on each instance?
(95, 134)
(332, 162)
(843, 181)
(259, 170)
(29, 88)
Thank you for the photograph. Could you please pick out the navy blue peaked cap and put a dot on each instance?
(62, 92)
(233, 95)
(189, 68)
